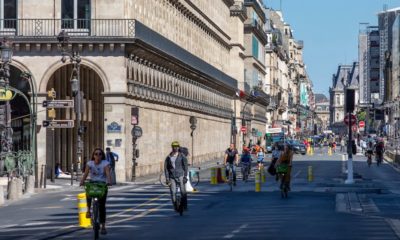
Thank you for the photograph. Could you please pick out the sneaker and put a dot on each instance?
(88, 215)
(103, 231)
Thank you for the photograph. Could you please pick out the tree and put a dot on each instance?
(361, 115)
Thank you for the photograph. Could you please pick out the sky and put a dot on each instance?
(329, 29)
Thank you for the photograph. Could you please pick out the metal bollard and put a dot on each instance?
(258, 181)
(310, 174)
(329, 151)
(82, 209)
(223, 174)
(213, 179)
(263, 174)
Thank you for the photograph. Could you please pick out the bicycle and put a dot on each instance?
(163, 179)
(369, 158)
(194, 176)
(282, 170)
(246, 170)
(95, 190)
(379, 158)
(230, 176)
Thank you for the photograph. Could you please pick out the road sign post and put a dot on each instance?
(350, 119)
(58, 103)
(58, 123)
(243, 129)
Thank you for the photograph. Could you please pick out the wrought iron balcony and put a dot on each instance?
(46, 28)
(238, 9)
(256, 27)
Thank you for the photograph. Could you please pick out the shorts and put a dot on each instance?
(260, 160)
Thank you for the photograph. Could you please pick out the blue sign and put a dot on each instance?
(114, 127)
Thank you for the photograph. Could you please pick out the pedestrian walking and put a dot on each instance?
(342, 143)
(112, 157)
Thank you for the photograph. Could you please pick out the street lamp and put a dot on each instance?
(193, 123)
(136, 133)
(75, 60)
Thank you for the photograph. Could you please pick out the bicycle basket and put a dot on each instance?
(95, 189)
(282, 168)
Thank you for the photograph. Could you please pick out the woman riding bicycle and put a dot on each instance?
(99, 170)
(260, 158)
(286, 158)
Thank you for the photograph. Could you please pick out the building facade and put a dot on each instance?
(157, 62)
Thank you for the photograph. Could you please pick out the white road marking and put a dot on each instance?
(36, 223)
(236, 231)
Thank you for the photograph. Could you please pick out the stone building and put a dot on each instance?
(155, 62)
(346, 76)
(322, 113)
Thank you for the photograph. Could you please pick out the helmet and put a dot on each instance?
(175, 144)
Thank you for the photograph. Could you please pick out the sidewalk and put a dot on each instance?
(63, 183)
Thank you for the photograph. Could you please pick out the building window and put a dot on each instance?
(338, 100)
(255, 47)
(8, 12)
(75, 14)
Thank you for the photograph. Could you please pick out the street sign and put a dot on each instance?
(58, 103)
(5, 95)
(58, 123)
(243, 129)
(353, 119)
(361, 124)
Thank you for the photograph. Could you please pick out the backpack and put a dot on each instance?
(184, 151)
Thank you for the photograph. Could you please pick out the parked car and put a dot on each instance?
(297, 146)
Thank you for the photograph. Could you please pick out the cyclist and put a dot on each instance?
(379, 149)
(99, 170)
(245, 160)
(276, 153)
(231, 157)
(260, 158)
(176, 170)
(286, 157)
(369, 152)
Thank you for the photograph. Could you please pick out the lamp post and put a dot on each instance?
(193, 123)
(6, 53)
(136, 133)
(75, 60)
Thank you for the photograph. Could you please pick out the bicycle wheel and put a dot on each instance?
(162, 179)
(95, 220)
(194, 178)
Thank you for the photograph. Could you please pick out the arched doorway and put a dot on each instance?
(63, 142)
(16, 129)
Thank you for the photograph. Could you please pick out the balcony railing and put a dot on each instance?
(258, 29)
(42, 28)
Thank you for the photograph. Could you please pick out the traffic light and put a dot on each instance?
(350, 99)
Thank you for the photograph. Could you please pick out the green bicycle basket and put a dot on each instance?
(97, 190)
(282, 168)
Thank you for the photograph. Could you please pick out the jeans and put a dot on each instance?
(102, 207)
(172, 189)
(233, 171)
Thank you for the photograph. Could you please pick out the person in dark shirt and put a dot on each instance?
(231, 157)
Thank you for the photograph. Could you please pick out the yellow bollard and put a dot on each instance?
(82, 209)
(310, 174)
(213, 179)
(223, 174)
(263, 175)
(329, 151)
(312, 150)
(258, 181)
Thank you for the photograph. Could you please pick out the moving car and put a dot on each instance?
(269, 149)
(297, 146)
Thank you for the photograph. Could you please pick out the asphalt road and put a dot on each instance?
(325, 208)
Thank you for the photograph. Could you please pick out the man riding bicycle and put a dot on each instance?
(245, 160)
(231, 157)
(176, 170)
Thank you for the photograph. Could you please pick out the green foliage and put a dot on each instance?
(361, 115)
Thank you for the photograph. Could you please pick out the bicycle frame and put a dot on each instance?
(95, 217)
